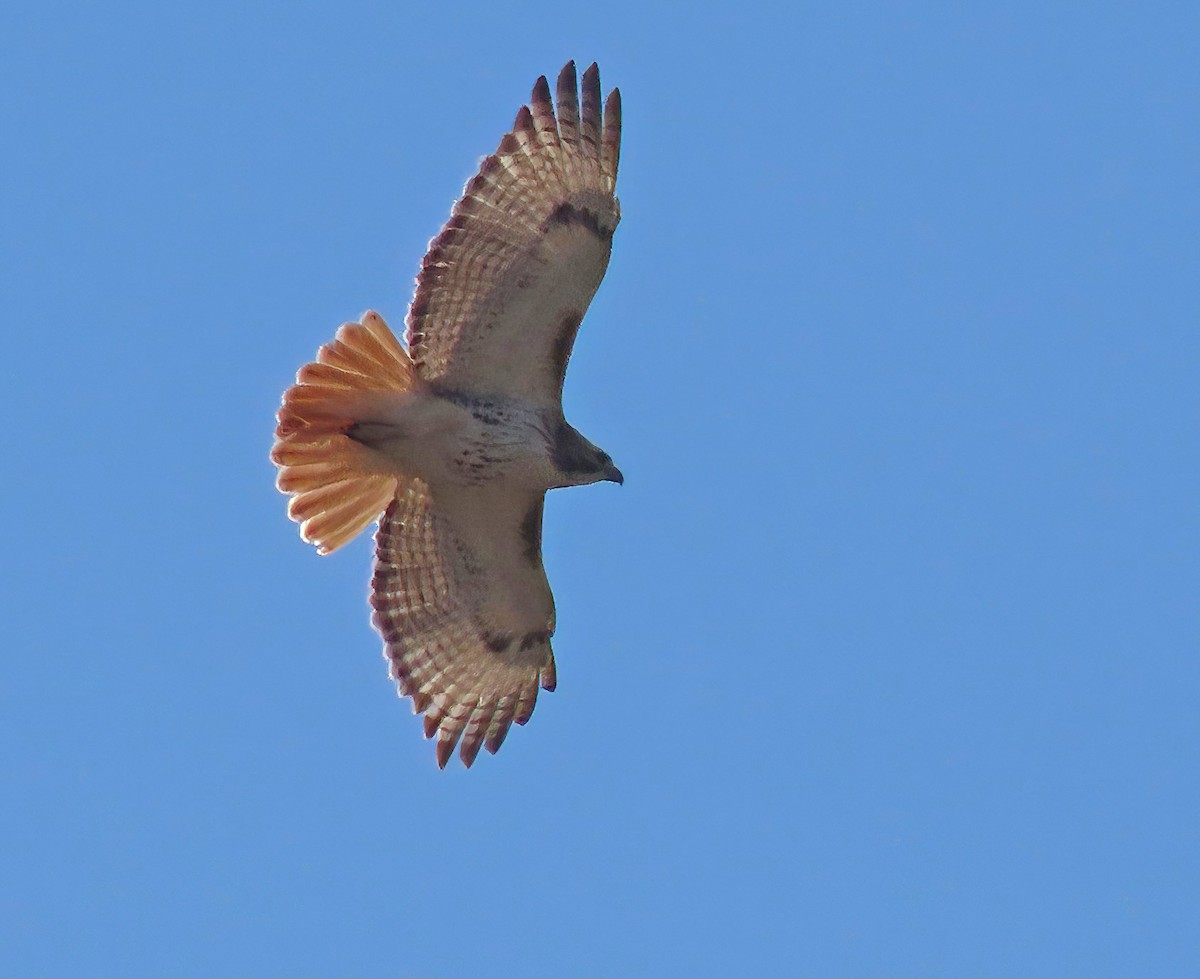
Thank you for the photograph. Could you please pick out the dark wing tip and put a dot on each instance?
(525, 705)
(611, 151)
(501, 721)
(469, 749)
(431, 725)
(567, 99)
(589, 115)
(541, 91)
(495, 739)
(567, 86)
(549, 676)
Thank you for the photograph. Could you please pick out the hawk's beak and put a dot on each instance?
(613, 475)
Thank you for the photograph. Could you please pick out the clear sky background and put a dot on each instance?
(883, 662)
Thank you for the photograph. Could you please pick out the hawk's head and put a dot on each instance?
(579, 461)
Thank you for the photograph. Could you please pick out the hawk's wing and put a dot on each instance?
(504, 286)
(463, 605)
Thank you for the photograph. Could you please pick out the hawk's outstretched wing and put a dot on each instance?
(464, 608)
(504, 286)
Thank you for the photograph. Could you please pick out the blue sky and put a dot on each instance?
(882, 662)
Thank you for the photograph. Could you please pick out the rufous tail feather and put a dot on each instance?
(339, 486)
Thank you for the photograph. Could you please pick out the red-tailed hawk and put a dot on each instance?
(453, 442)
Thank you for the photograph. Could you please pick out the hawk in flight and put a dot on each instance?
(452, 439)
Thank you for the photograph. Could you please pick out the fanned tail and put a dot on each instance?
(339, 486)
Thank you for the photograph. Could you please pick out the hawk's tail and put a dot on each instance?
(338, 486)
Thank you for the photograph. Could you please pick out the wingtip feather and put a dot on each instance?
(549, 676)
(566, 94)
(611, 149)
(589, 121)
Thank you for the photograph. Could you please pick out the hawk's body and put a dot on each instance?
(457, 439)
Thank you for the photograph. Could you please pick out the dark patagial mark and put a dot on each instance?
(486, 412)
(497, 642)
(564, 342)
(568, 214)
(531, 533)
